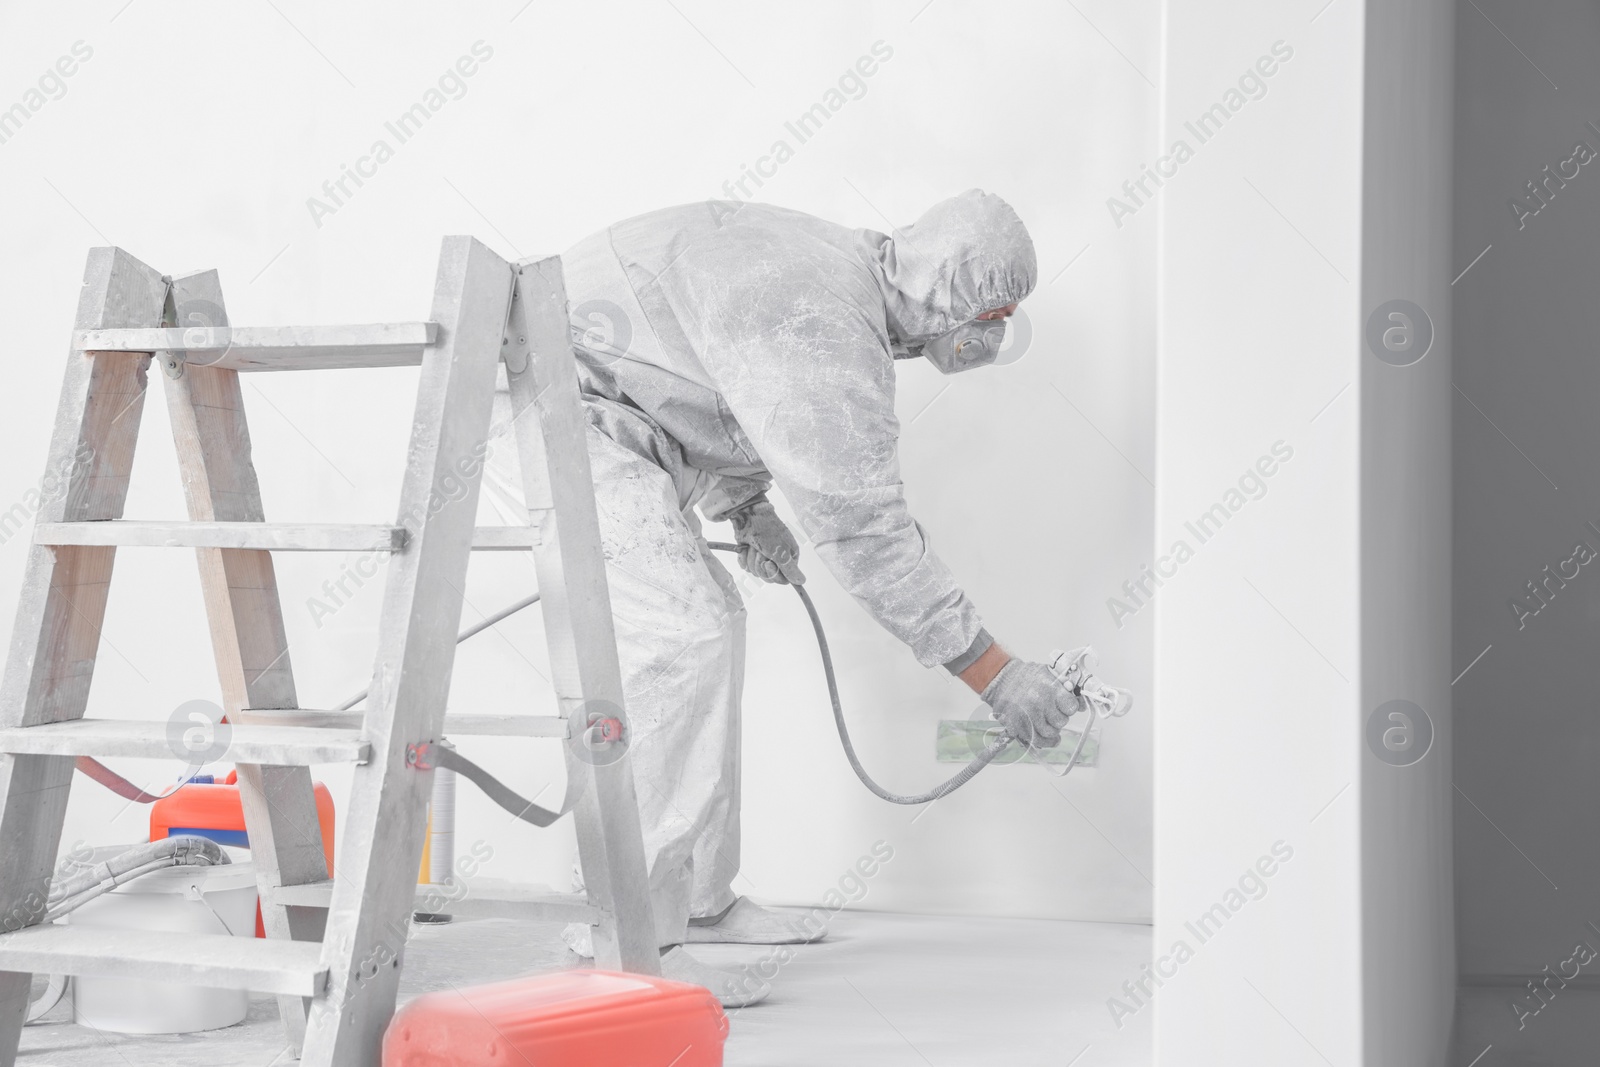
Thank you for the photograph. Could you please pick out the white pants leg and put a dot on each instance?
(680, 638)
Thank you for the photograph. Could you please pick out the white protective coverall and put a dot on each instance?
(723, 348)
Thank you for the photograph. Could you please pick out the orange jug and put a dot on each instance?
(566, 1019)
(215, 811)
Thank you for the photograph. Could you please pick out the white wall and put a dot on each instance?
(583, 115)
(1323, 870)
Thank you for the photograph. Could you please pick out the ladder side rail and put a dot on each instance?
(558, 487)
(374, 893)
(63, 598)
(245, 613)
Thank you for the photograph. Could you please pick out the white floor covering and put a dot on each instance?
(883, 989)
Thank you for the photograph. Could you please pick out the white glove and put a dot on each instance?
(1031, 703)
(766, 547)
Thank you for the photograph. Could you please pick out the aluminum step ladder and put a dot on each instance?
(334, 948)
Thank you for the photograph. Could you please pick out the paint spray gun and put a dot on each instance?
(1102, 701)
(1071, 668)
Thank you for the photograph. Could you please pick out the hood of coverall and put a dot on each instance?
(964, 256)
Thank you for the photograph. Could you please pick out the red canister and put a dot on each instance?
(567, 1019)
(216, 812)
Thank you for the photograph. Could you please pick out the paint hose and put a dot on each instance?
(1067, 667)
(76, 889)
(945, 788)
(1111, 701)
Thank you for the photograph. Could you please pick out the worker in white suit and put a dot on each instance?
(725, 349)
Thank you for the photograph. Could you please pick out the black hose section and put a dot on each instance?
(493, 788)
(961, 778)
(503, 613)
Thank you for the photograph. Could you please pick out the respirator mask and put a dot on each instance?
(973, 344)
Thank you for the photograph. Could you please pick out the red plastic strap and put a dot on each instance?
(113, 781)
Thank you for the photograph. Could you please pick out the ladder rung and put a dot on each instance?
(469, 725)
(307, 895)
(476, 899)
(483, 898)
(505, 538)
(283, 537)
(287, 746)
(306, 718)
(261, 965)
(463, 725)
(272, 536)
(260, 348)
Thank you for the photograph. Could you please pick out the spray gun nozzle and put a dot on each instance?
(1072, 668)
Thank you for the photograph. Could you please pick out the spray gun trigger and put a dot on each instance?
(1072, 668)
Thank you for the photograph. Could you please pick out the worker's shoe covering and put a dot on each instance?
(733, 989)
(748, 923)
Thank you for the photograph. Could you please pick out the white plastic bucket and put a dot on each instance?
(179, 901)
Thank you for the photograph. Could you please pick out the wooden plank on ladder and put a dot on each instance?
(374, 893)
(277, 536)
(553, 451)
(246, 618)
(63, 599)
(277, 348)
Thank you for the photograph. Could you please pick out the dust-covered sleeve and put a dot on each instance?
(814, 393)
